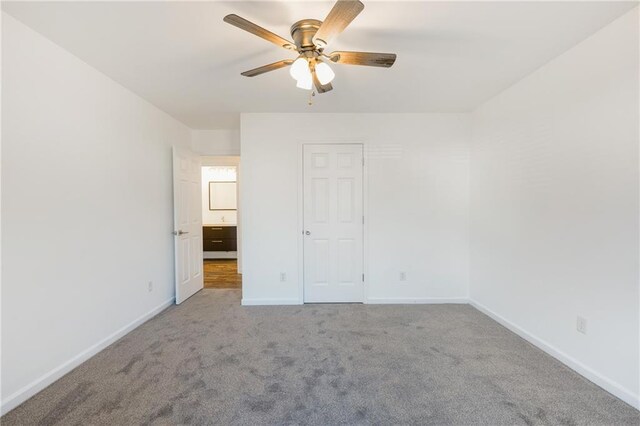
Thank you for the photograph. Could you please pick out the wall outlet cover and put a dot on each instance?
(581, 325)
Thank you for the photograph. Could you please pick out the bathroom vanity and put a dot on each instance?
(219, 238)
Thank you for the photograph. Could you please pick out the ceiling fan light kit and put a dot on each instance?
(305, 83)
(324, 72)
(300, 69)
(310, 39)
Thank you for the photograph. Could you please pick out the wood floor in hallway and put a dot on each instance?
(221, 273)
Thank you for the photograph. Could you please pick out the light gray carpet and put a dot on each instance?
(211, 361)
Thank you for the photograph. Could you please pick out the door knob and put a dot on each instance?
(180, 232)
(307, 233)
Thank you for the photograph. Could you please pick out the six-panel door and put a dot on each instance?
(187, 195)
(333, 223)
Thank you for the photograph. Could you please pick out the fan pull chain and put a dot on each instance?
(311, 95)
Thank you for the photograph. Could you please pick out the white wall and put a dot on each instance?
(554, 228)
(216, 142)
(417, 166)
(86, 210)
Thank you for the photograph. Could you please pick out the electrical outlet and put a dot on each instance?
(283, 276)
(150, 286)
(403, 276)
(581, 325)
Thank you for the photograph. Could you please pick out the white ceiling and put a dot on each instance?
(181, 56)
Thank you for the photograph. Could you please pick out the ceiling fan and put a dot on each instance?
(311, 36)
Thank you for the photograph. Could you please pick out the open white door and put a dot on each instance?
(187, 220)
(333, 223)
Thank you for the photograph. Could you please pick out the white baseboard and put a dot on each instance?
(269, 302)
(17, 398)
(414, 301)
(610, 386)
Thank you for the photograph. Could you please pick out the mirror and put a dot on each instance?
(222, 196)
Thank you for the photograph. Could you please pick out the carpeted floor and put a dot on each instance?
(211, 361)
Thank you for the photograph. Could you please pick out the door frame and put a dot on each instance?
(365, 209)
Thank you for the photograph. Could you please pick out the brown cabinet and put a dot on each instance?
(219, 238)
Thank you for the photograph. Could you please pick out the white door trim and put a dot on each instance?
(365, 209)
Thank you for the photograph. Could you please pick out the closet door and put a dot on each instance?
(333, 223)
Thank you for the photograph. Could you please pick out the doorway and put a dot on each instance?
(333, 223)
(220, 223)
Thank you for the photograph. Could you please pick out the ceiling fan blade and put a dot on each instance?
(364, 58)
(321, 88)
(343, 12)
(267, 68)
(249, 26)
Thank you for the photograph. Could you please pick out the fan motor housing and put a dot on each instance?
(303, 32)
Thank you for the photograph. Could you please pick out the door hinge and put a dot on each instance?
(363, 220)
(363, 161)
(362, 277)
